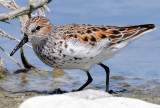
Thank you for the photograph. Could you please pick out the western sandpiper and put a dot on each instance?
(78, 46)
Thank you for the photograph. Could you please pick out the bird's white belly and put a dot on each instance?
(73, 56)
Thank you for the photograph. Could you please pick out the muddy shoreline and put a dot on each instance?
(13, 97)
(9, 100)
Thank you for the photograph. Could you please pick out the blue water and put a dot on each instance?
(140, 59)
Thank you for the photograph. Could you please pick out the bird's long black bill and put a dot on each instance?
(22, 42)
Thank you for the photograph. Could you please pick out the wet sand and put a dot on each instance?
(13, 97)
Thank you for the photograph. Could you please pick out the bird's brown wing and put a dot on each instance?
(91, 34)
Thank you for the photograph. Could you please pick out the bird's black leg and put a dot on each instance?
(87, 83)
(107, 76)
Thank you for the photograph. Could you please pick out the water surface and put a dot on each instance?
(141, 59)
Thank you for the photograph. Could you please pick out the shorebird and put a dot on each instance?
(78, 46)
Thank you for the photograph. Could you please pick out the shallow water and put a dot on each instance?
(40, 80)
(139, 62)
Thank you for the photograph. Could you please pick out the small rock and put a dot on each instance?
(85, 99)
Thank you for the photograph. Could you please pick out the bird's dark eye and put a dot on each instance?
(38, 27)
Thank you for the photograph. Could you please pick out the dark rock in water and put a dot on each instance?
(21, 70)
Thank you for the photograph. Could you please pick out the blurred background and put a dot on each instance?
(141, 59)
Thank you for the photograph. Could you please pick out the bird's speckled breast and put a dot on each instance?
(58, 54)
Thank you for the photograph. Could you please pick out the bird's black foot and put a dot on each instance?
(75, 90)
(112, 92)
